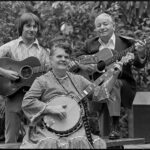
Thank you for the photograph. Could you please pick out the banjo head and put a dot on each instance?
(73, 119)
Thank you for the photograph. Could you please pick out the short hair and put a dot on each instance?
(26, 18)
(64, 46)
(106, 15)
(59, 39)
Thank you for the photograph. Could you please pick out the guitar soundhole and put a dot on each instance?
(26, 72)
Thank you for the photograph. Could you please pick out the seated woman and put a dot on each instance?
(57, 107)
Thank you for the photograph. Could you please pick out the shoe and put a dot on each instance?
(114, 135)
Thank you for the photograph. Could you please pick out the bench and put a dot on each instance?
(10, 146)
(119, 143)
(111, 144)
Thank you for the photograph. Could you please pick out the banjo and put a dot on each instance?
(74, 109)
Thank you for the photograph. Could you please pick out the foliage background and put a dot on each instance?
(132, 19)
(75, 19)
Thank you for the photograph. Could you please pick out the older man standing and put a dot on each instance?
(125, 88)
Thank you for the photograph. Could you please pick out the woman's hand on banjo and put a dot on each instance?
(58, 111)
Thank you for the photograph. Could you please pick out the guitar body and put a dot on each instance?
(24, 68)
(107, 56)
(102, 55)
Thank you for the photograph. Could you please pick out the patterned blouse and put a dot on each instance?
(45, 88)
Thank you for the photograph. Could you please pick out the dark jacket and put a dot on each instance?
(122, 43)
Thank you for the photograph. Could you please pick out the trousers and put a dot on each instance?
(13, 116)
(122, 94)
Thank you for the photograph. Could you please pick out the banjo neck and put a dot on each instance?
(89, 89)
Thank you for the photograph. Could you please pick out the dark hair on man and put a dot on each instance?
(27, 18)
(64, 46)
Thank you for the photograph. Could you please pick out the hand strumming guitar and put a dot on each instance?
(89, 68)
(12, 75)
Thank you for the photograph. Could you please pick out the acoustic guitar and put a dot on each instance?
(105, 56)
(28, 70)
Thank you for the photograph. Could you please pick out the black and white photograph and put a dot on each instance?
(74, 74)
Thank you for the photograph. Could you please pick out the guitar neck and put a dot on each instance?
(119, 55)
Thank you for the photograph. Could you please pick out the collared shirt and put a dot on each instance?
(111, 43)
(17, 50)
